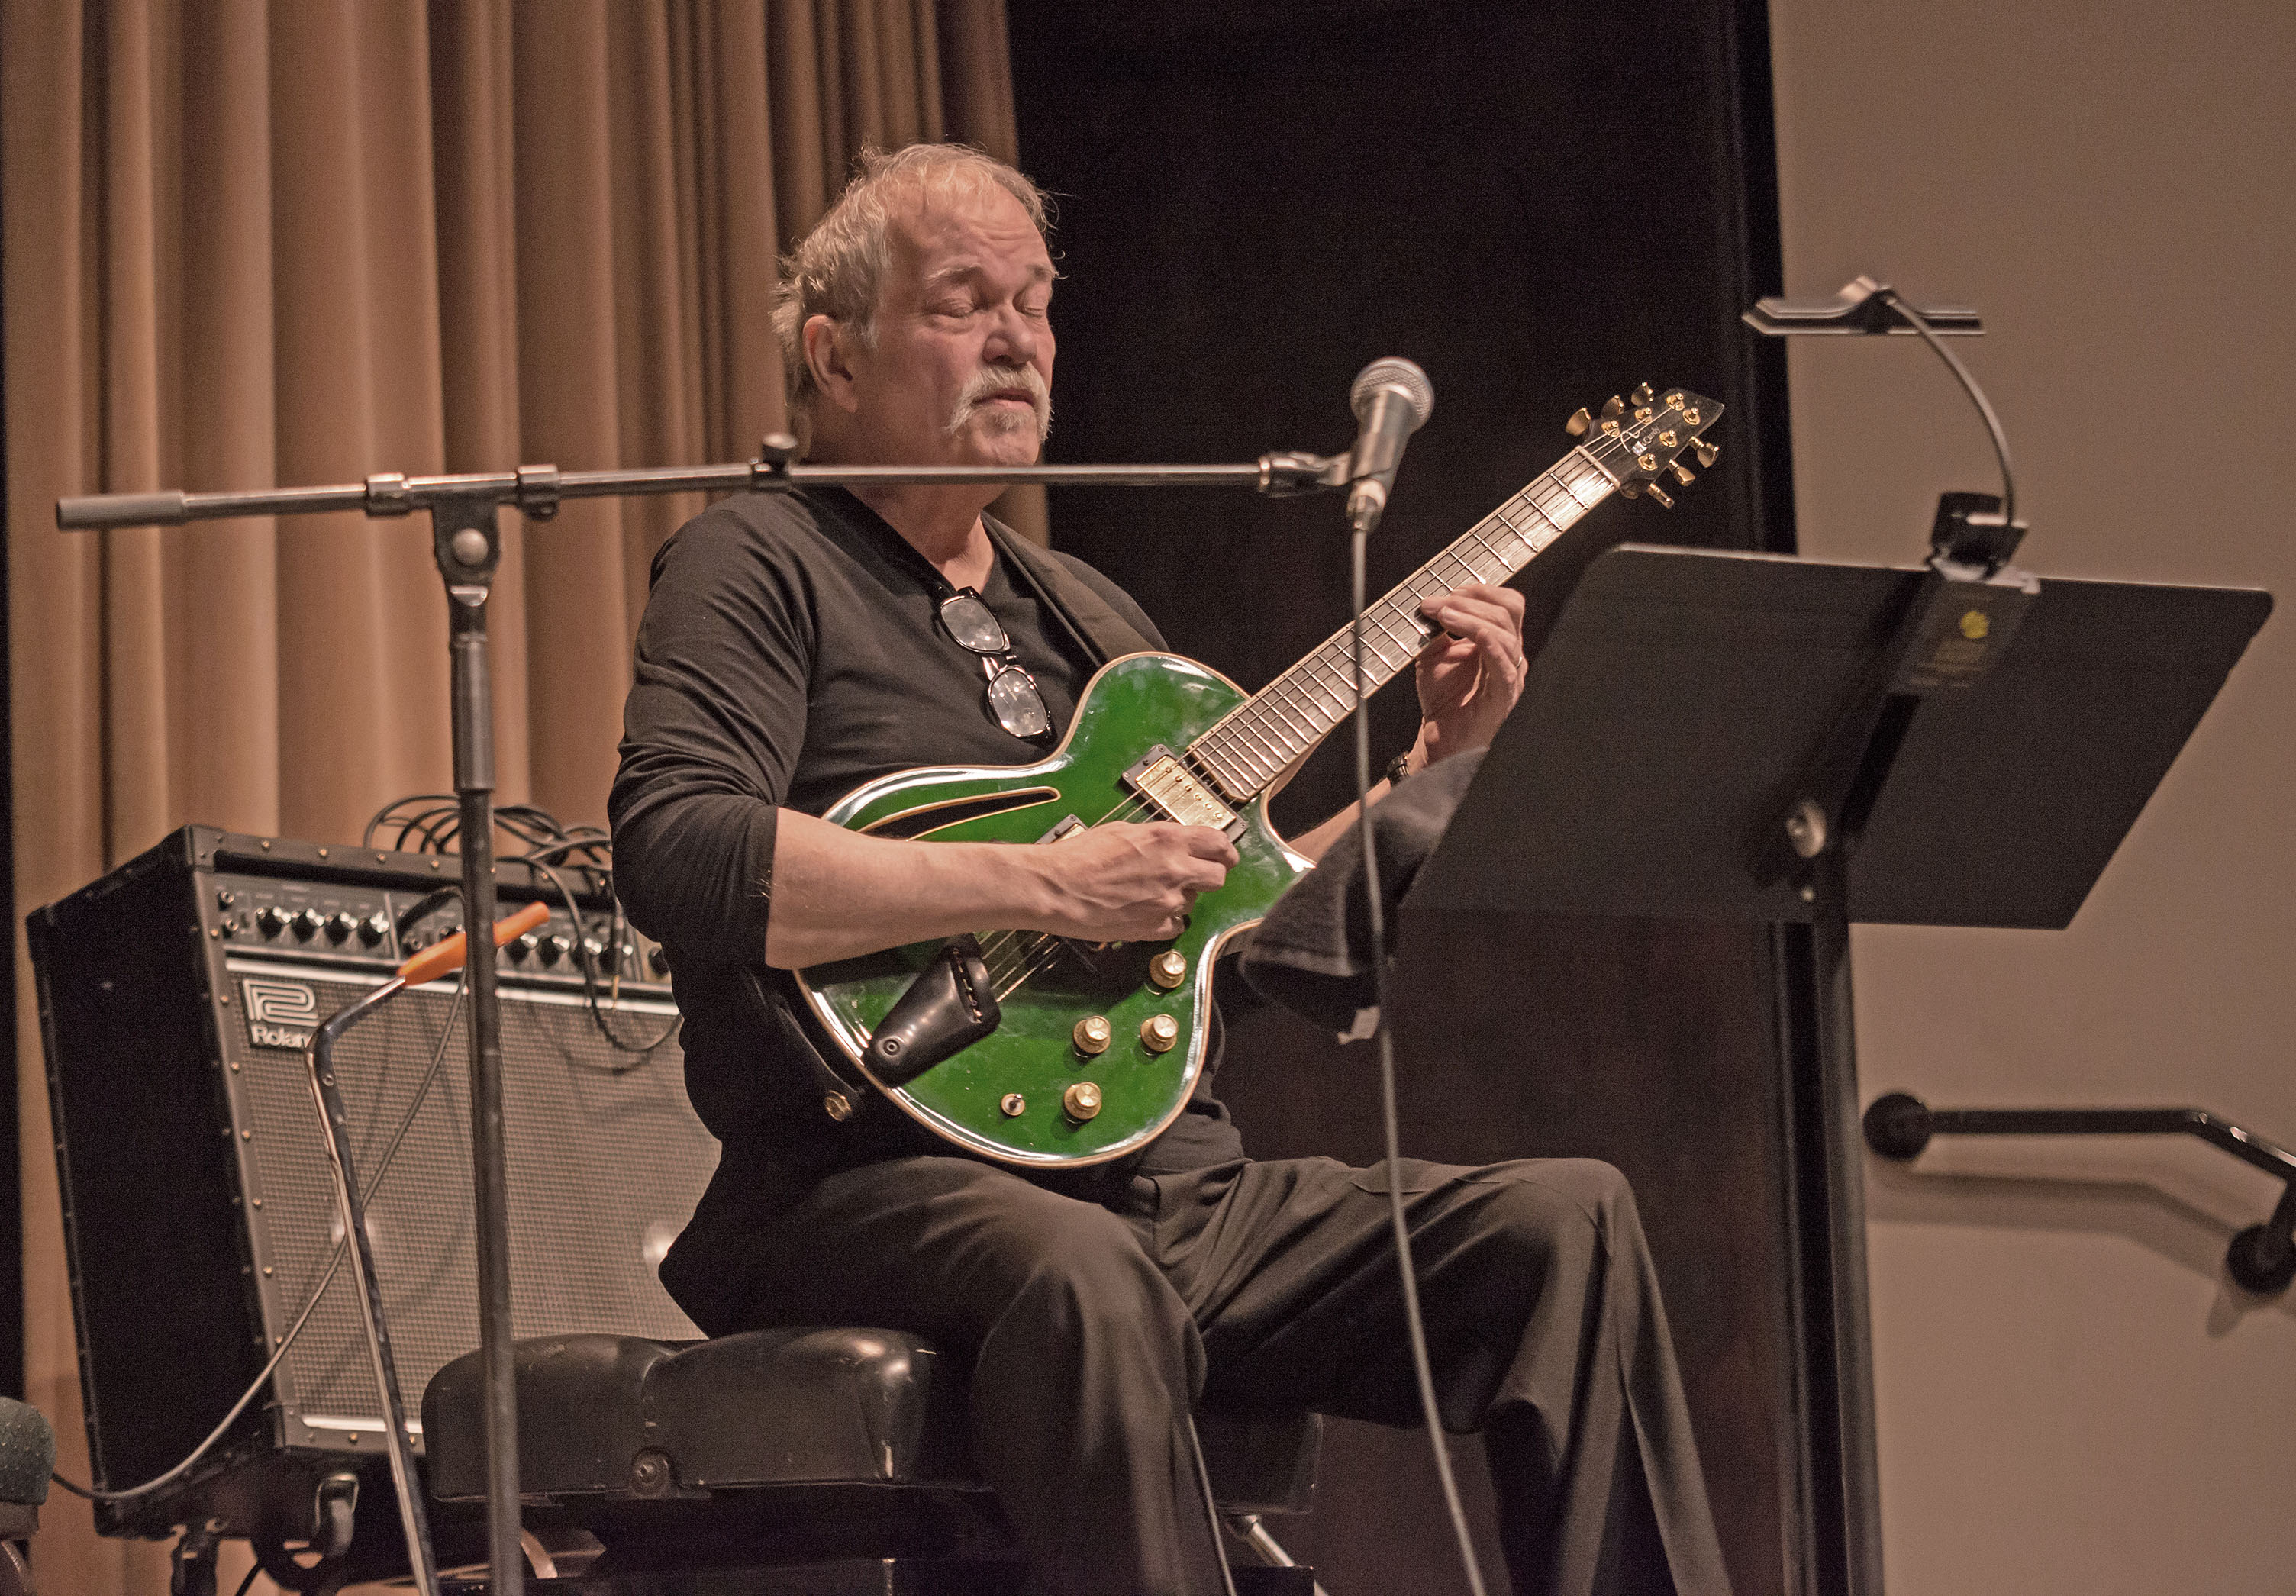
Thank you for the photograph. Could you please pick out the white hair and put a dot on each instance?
(838, 269)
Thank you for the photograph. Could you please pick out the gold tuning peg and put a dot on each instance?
(1659, 493)
(1642, 395)
(1614, 407)
(1682, 473)
(1579, 423)
(1706, 452)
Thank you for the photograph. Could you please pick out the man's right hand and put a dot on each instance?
(1126, 882)
(839, 894)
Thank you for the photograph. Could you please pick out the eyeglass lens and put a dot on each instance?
(1020, 707)
(973, 623)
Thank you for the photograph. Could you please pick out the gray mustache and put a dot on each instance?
(996, 380)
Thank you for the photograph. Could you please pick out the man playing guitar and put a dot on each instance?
(797, 645)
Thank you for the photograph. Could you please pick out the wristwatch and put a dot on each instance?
(1398, 768)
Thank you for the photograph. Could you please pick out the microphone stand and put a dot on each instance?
(466, 544)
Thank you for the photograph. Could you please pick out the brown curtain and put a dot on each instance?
(251, 243)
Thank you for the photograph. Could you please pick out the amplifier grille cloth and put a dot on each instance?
(606, 1162)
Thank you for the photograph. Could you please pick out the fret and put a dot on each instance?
(1223, 771)
(1476, 532)
(1275, 697)
(1342, 669)
(1372, 643)
(1555, 528)
(1514, 530)
(1298, 688)
(1305, 668)
(1262, 724)
(1243, 724)
(1472, 574)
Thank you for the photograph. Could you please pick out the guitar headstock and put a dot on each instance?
(1640, 440)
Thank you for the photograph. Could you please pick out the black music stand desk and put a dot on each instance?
(1682, 707)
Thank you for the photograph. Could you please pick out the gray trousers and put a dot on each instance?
(1095, 1327)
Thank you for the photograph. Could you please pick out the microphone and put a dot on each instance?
(1392, 399)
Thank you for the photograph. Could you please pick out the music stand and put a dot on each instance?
(1729, 736)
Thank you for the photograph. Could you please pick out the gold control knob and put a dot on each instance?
(1159, 1033)
(1014, 1105)
(1082, 1101)
(1092, 1035)
(1167, 968)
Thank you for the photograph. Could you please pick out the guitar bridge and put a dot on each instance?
(1168, 784)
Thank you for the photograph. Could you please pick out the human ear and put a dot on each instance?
(828, 353)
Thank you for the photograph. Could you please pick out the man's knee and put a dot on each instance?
(1547, 1208)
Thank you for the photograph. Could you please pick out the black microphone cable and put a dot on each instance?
(1359, 541)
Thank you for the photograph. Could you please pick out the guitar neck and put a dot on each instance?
(1264, 737)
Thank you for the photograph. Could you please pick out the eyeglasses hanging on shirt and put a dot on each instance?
(1013, 695)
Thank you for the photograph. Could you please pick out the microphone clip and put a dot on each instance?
(1293, 472)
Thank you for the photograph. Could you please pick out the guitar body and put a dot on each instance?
(1131, 706)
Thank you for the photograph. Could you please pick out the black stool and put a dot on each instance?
(780, 1461)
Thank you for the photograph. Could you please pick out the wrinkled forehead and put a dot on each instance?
(957, 223)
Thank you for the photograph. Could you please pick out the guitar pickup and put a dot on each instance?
(1176, 791)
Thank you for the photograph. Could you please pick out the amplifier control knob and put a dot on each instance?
(375, 927)
(269, 920)
(340, 928)
(521, 948)
(595, 951)
(308, 923)
(657, 960)
(555, 948)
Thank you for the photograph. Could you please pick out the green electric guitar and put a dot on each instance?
(1039, 1051)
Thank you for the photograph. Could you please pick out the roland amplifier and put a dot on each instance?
(177, 997)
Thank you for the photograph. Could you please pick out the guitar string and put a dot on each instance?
(1047, 944)
(1030, 953)
(1041, 948)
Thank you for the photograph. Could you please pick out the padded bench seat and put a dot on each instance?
(618, 1419)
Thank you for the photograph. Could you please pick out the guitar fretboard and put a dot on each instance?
(1263, 736)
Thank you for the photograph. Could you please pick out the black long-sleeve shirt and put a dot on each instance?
(791, 649)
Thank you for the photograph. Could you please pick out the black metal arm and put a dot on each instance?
(2262, 1259)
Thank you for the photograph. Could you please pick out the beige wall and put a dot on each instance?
(2072, 1396)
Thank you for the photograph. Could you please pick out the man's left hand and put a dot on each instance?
(1470, 673)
